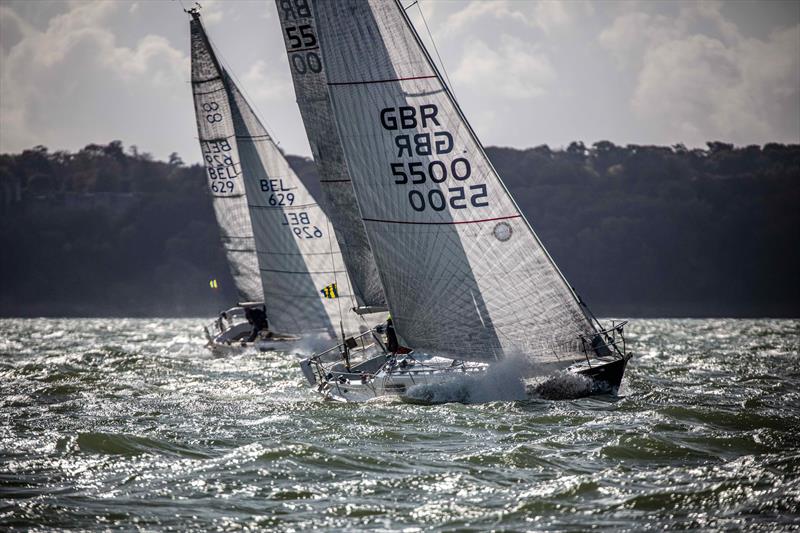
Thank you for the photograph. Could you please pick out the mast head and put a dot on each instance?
(194, 11)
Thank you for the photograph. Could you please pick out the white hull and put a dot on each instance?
(360, 385)
(375, 377)
(232, 339)
(224, 348)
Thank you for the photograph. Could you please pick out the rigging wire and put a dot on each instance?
(433, 42)
(338, 300)
(249, 99)
(333, 268)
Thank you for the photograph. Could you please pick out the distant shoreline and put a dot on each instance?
(639, 231)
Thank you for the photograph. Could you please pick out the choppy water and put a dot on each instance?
(130, 424)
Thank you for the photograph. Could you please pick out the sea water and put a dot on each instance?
(132, 424)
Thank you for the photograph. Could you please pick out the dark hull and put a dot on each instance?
(606, 377)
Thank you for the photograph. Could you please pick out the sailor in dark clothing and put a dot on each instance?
(257, 317)
(391, 337)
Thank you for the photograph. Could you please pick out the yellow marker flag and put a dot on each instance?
(330, 291)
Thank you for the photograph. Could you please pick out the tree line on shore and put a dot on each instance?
(638, 230)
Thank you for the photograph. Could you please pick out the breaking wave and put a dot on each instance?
(514, 378)
(502, 381)
(562, 385)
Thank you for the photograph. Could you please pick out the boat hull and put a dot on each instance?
(604, 377)
(222, 348)
(354, 387)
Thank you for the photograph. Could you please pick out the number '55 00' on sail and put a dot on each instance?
(464, 275)
(299, 265)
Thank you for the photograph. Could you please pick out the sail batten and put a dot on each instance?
(464, 273)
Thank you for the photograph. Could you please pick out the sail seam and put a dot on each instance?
(451, 223)
(274, 294)
(301, 271)
(198, 93)
(252, 137)
(366, 82)
(198, 82)
(303, 49)
(282, 206)
(294, 253)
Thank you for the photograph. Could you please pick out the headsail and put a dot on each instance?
(297, 254)
(221, 160)
(462, 270)
(311, 88)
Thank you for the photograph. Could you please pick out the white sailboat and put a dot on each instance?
(300, 268)
(465, 277)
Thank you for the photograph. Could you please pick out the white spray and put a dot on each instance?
(514, 378)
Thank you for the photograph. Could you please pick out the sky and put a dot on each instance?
(526, 73)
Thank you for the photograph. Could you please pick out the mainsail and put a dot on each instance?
(221, 159)
(297, 254)
(311, 88)
(463, 272)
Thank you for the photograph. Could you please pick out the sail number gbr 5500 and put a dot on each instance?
(429, 145)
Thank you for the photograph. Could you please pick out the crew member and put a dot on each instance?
(391, 336)
(257, 317)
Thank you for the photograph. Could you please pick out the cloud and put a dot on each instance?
(14, 29)
(67, 80)
(550, 15)
(478, 11)
(514, 70)
(263, 83)
(545, 15)
(697, 77)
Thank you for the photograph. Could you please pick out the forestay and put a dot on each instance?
(463, 272)
(310, 85)
(297, 254)
(221, 158)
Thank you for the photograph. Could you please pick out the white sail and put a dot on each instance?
(311, 88)
(298, 256)
(463, 273)
(221, 159)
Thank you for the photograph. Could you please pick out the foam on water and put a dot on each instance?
(514, 378)
(311, 344)
(131, 425)
(561, 385)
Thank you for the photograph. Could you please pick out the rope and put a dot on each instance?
(333, 268)
(261, 117)
(435, 49)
